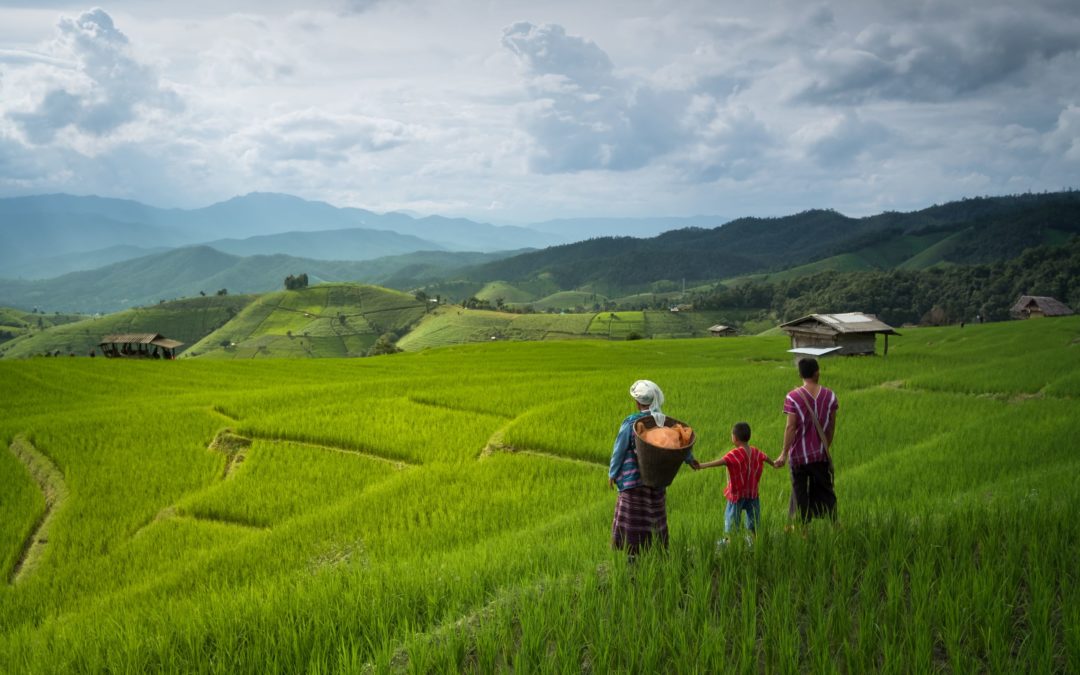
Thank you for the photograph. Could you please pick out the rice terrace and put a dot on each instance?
(457, 336)
(446, 511)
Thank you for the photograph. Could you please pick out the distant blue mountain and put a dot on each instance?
(34, 229)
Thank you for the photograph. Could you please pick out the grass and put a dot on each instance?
(510, 294)
(448, 511)
(328, 320)
(186, 320)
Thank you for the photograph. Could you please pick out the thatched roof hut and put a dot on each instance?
(139, 345)
(1036, 306)
(851, 333)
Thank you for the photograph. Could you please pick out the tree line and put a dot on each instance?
(938, 295)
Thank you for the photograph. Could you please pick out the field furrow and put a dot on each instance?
(51, 482)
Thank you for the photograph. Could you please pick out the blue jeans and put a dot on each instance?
(752, 508)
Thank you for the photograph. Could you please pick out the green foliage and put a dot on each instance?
(448, 511)
(295, 283)
(977, 230)
(940, 295)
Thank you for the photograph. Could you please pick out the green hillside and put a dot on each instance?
(967, 232)
(322, 321)
(509, 294)
(568, 300)
(185, 320)
(16, 322)
(185, 272)
(448, 511)
(454, 325)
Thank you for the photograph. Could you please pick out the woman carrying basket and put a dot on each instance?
(640, 511)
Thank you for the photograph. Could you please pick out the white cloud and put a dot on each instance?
(636, 108)
(106, 90)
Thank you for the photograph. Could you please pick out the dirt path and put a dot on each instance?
(51, 481)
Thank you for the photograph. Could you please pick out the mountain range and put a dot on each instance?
(46, 235)
(970, 231)
(965, 232)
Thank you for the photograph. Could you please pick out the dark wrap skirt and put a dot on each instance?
(640, 519)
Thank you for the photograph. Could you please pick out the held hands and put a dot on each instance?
(780, 461)
(611, 483)
(695, 465)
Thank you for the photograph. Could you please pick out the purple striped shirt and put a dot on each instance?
(809, 447)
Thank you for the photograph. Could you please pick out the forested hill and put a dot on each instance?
(966, 232)
(935, 296)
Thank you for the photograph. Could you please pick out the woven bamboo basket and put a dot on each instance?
(658, 466)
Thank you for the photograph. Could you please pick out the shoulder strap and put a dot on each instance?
(813, 415)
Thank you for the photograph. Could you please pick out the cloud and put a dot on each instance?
(109, 87)
(1064, 139)
(939, 60)
(311, 136)
(23, 57)
(841, 138)
(583, 115)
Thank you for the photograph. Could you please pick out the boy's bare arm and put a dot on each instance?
(715, 462)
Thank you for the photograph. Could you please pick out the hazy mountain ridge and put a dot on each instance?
(184, 272)
(35, 229)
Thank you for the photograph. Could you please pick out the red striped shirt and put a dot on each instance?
(744, 473)
(809, 447)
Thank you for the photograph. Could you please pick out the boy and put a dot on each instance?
(744, 464)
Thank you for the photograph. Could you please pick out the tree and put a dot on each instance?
(384, 345)
(202, 293)
(223, 291)
(295, 283)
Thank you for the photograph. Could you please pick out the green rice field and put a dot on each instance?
(448, 511)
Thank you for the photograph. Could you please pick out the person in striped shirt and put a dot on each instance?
(809, 408)
(744, 464)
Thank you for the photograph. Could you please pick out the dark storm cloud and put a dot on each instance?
(112, 87)
(936, 61)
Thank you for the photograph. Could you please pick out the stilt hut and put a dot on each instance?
(1038, 306)
(851, 333)
(139, 346)
(722, 331)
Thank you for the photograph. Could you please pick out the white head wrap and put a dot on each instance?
(647, 393)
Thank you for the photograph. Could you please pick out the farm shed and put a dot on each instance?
(1037, 306)
(139, 346)
(853, 332)
(722, 331)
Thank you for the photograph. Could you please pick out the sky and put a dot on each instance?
(516, 112)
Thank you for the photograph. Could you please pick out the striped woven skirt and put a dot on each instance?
(640, 519)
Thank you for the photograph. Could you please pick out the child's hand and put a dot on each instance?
(695, 465)
(779, 462)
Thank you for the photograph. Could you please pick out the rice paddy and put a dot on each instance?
(448, 511)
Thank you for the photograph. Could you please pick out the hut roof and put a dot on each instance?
(833, 324)
(718, 328)
(141, 339)
(1047, 305)
(813, 351)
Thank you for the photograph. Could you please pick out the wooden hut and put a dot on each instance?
(722, 331)
(851, 333)
(139, 346)
(1038, 306)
